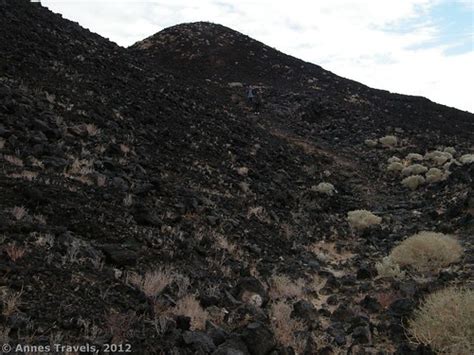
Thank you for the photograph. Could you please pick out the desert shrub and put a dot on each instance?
(435, 175)
(361, 219)
(427, 251)
(324, 188)
(388, 141)
(395, 166)
(189, 306)
(450, 150)
(414, 156)
(445, 321)
(413, 181)
(415, 169)
(370, 143)
(467, 159)
(388, 268)
(438, 157)
(393, 159)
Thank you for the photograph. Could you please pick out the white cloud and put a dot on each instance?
(352, 38)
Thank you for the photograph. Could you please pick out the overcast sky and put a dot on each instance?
(418, 47)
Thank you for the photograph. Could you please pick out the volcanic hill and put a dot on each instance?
(144, 202)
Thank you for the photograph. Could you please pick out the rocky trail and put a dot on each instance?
(144, 204)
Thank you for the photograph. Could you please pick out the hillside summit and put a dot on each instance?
(145, 203)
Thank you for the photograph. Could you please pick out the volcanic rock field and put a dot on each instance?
(144, 203)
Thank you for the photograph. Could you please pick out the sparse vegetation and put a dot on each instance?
(445, 321)
(427, 251)
(362, 219)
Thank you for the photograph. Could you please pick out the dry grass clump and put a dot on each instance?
(412, 182)
(120, 325)
(467, 159)
(362, 219)
(395, 166)
(15, 252)
(415, 169)
(427, 251)
(19, 212)
(13, 160)
(389, 141)
(324, 188)
(286, 328)
(445, 321)
(153, 282)
(189, 306)
(282, 287)
(10, 301)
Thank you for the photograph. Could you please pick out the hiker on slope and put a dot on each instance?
(253, 99)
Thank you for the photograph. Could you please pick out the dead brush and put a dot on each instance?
(189, 306)
(15, 252)
(19, 212)
(152, 283)
(259, 213)
(13, 160)
(11, 301)
(26, 175)
(285, 328)
(281, 287)
(120, 325)
(92, 129)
